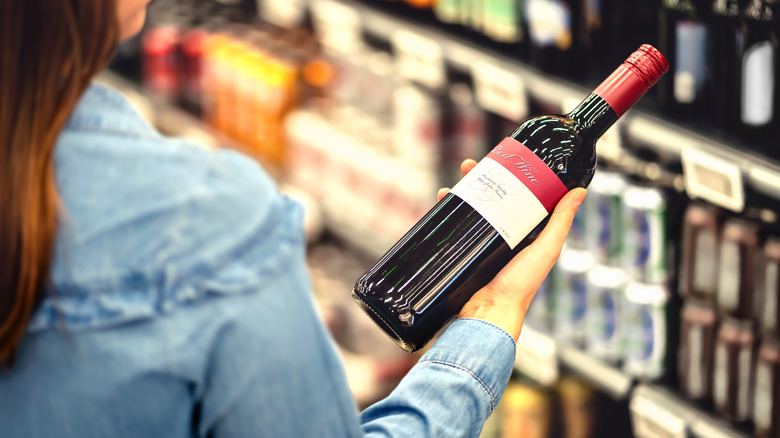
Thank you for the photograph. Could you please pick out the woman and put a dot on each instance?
(152, 288)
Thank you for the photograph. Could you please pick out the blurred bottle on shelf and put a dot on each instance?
(684, 37)
(768, 289)
(698, 327)
(766, 395)
(733, 369)
(604, 328)
(758, 77)
(699, 259)
(737, 265)
(603, 217)
(529, 410)
(571, 295)
(552, 28)
(726, 46)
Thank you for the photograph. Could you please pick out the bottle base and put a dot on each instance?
(384, 323)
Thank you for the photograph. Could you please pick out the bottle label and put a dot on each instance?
(549, 23)
(690, 73)
(704, 276)
(763, 398)
(512, 189)
(720, 392)
(697, 372)
(770, 295)
(758, 81)
(728, 279)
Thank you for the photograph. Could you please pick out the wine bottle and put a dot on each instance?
(725, 52)
(496, 210)
(553, 26)
(683, 37)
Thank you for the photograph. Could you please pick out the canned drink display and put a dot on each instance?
(645, 249)
(645, 310)
(603, 217)
(603, 331)
(571, 295)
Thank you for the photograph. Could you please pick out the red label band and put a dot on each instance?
(530, 170)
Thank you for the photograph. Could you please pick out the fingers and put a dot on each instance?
(467, 165)
(442, 193)
(554, 234)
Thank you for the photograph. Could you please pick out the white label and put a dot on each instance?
(758, 83)
(720, 385)
(337, 25)
(728, 279)
(505, 202)
(549, 23)
(713, 178)
(419, 58)
(500, 91)
(696, 373)
(762, 401)
(744, 363)
(284, 13)
(770, 296)
(704, 274)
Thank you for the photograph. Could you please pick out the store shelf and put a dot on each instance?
(657, 412)
(650, 131)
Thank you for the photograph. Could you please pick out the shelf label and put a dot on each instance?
(537, 356)
(610, 145)
(283, 13)
(500, 91)
(337, 25)
(713, 179)
(419, 58)
(652, 420)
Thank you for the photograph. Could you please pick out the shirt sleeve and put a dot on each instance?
(452, 390)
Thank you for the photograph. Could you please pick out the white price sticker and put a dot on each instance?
(713, 179)
(500, 91)
(609, 146)
(337, 25)
(419, 58)
(284, 13)
(537, 356)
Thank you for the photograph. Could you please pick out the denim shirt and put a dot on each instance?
(180, 306)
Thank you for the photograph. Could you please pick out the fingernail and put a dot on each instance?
(579, 197)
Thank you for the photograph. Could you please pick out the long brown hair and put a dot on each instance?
(49, 52)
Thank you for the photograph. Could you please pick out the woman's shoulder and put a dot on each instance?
(151, 222)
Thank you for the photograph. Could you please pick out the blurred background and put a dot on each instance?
(660, 318)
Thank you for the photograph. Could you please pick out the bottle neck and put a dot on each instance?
(593, 116)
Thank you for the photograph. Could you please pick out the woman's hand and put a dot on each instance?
(505, 300)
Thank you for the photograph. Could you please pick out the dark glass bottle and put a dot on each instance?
(496, 210)
(725, 52)
(684, 38)
(758, 73)
(553, 26)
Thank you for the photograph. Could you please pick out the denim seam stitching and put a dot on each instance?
(502, 331)
(472, 374)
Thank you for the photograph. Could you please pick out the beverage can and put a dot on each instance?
(603, 217)
(603, 331)
(645, 310)
(571, 295)
(645, 250)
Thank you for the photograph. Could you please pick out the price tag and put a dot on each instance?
(651, 419)
(419, 58)
(337, 25)
(713, 179)
(284, 13)
(537, 356)
(500, 91)
(610, 145)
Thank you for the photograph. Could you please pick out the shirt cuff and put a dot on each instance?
(478, 348)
